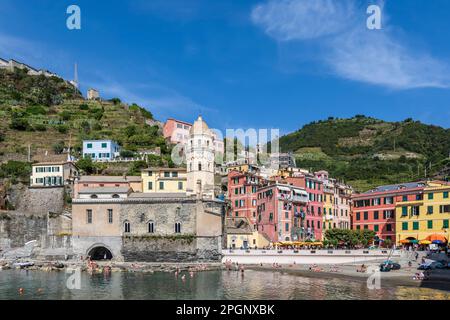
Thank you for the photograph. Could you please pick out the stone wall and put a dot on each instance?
(170, 249)
(37, 200)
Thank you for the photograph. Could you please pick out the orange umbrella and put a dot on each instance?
(435, 237)
(404, 241)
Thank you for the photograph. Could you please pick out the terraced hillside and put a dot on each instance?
(367, 152)
(47, 115)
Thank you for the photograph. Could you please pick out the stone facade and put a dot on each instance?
(148, 228)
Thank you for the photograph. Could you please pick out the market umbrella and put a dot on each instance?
(425, 242)
(414, 241)
(405, 241)
(436, 237)
(437, 242)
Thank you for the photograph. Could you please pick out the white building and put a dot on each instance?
(93, 94)
(53, 174)
(200, 153)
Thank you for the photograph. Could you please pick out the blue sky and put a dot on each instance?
(246, 64)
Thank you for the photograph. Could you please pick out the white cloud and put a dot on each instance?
(287, 20)
(348, 48)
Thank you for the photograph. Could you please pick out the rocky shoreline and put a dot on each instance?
(108, 266)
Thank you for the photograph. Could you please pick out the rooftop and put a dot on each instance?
(105, 190)
(109, 179)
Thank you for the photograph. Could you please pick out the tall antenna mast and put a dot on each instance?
(75, 76)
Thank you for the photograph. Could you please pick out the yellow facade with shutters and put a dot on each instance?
(420, 218)
(164, 180)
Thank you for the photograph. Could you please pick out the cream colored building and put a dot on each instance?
(240, 235)
(93, 94)
(200, 157)
(164, 180)
(51, 174)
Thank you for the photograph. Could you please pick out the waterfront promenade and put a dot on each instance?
(307, 257)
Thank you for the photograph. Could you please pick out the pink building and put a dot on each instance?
(280, 209)
(177, 131)
(91, 182)
(242, 193)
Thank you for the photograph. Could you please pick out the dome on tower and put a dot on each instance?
(199, 127)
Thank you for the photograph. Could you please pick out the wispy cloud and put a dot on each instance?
(347, 48)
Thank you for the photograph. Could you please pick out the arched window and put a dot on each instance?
(94, 196)
(177, 227)
(116, 196)
(151, 227)
(127, 227)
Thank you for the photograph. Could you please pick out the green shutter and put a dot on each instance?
(405, 226)
(430, 196)
(415, 225)
(430, 224)
(445, 224)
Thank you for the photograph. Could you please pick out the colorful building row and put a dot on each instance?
(415, 213)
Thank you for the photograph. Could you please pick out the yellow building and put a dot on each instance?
(328, 208)
(164, 180)
(424, 213)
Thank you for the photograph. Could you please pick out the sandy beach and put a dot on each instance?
(438, 279)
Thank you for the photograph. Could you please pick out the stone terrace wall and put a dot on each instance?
(170, 249)
(38, 200)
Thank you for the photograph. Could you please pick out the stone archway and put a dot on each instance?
(100, 252)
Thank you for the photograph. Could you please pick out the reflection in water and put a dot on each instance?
(203, 286)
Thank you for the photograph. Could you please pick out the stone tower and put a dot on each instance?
(200, 160)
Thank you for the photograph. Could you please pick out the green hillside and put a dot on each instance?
(48, 114)
(367, 152)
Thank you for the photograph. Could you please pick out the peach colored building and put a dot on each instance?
(90, 182)
(177, 131)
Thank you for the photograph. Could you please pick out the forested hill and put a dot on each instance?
(367, 152)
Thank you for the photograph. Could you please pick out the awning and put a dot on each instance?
(300, 192)
(284, 189)
(435, 237)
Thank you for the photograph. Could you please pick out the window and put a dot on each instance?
(405, 198)
(404, 226)
(366, 215)
(446, 195)
(110, 216)
(375, 215)
(366, 227)
(358, 227)
(166, 174)
(126, 227)
(389, 227)
(151, 227)
(430, 224)
(445, 224)
(358, 216)
(150, 173)
(150, 185)
(375, 228)
(104, 145)
(404, 211)
(430, 196)
(89, 216)
(177, 227)
(161, 185)
(180, 185)
(174, 174)
(430, 210)
(115, 196)
(89, 146)
(286, 227)
(416, 225)
(415, 210)
(444, 209)
(199, 167)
